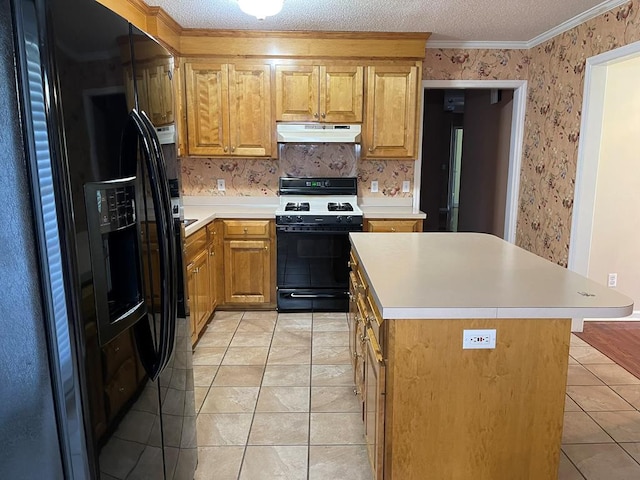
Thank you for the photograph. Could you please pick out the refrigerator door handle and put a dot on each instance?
(136, 133)
(168, 325)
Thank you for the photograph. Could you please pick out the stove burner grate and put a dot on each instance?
(297, 207)
(339, 207)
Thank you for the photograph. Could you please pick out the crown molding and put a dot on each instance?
(575, 21)
(478, 45)
(534, 42)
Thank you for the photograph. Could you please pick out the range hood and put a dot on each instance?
(318, 133)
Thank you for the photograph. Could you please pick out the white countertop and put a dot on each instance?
(205, 209)
(472, 275)
(403, 213)
(206, 213)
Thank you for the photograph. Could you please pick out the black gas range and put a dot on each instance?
(313, 223)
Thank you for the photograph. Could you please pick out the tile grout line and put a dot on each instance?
(625, 452)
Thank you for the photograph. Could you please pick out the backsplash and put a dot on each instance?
(259, 177)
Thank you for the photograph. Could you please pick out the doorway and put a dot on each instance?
(437, 183)
(605, 218)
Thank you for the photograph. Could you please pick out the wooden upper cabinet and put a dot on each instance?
(297, 93)
(207, 108)
(250, 110)
(390, 130)
(160, 93)
(325, 93)
(228, 109)
(341, 93)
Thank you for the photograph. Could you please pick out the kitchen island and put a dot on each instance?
(435, 410)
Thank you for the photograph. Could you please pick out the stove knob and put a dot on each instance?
(339, 219)
(287, 218)
(298, 218)
(349, 219)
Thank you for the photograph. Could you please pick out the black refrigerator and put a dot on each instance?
(96, 376)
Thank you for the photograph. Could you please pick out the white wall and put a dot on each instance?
(615, 242)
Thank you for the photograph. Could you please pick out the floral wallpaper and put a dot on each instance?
(555, 74)
(251, 177)
(455, 64)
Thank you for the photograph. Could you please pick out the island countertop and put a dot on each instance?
(472, 275)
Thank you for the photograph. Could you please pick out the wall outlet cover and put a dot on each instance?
(406, 185)
(221, 185)
(374, 186)
(478, 339)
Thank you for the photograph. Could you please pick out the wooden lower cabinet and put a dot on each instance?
(374, 404)
(230, 264)
(247, 271)
(393, 225)
(432, 410)
(201, 266)
(248, 277)
(201, 302)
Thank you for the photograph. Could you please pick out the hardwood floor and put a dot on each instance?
(620, 341)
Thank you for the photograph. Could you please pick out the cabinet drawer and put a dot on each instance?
(211, 233)
(245, 229)
(194, 244)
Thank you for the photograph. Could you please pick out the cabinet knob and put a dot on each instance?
(117, 349)
(266, 248)
(245, 230)
(315, 115)
(393, 229)
(324, 115)
(212, 254)
(233, 149)
(226, 149)
(121, 389)
(370, 149)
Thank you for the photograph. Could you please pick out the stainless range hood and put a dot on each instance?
(318, 133)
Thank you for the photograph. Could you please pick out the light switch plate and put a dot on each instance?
(221, 185)
(374, 186)
(406, 185)
(478, 339)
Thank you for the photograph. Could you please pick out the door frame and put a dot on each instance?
(519, 88)
(593, 104)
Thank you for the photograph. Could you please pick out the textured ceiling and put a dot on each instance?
(448, 20)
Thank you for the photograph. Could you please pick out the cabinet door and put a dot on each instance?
(341, 93)
(193, 305)
(374, 406)
(213, 265)
(160, 94)
(207, 108)
(391, 112)
(202, 289)
(247, 271)
(394, 226)
(297, 93)
(250, 110)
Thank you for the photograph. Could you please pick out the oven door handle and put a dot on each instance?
(316, 295)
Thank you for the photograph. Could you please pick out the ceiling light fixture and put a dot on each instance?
(261, 9)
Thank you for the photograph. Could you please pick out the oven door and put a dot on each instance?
(313, 271)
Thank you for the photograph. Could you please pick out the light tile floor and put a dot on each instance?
(275, 400)
(274, 395)
(601, 437)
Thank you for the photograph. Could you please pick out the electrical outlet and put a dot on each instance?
(612, 280)
(472, 339)
(374, 186)
(221, 185)
(406, 185)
